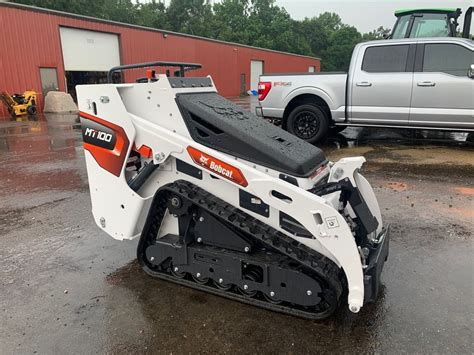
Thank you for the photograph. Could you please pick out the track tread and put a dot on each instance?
(320, 266)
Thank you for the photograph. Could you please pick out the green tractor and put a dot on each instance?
(416, 23)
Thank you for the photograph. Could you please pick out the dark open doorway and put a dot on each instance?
(74, 78)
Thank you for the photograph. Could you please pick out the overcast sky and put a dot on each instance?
(364, 15)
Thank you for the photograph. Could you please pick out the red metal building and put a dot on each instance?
(43, 49)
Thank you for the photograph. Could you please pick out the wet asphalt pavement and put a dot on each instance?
(66, 287)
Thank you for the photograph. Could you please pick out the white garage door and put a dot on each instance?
(256, 69)
(89, 50)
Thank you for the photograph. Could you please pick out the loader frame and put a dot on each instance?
(130, 117)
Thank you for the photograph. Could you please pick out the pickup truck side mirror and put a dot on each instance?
(470, 72)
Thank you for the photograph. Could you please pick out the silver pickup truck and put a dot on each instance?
(423, 83)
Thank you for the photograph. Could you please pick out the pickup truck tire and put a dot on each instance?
(308, 122)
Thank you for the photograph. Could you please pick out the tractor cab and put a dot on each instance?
(418, 23)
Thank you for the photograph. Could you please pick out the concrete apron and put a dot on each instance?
(66, 287)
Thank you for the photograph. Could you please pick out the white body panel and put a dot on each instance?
(149, 115)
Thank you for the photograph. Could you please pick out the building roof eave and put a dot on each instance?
(143, 28)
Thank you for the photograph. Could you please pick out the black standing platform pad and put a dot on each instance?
(220, 124)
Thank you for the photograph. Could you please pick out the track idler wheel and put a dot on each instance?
(199, 279)
(221, 285)
(177, 273)
(272, 299)
(251, 273)
(245, 290)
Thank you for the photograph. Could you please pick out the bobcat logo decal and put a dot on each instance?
(203, 160)
(217, 167)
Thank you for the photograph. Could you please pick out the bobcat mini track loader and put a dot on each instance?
(227, 203)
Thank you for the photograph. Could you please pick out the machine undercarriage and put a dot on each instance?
(222, 250)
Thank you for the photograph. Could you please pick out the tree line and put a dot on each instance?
(259, 23)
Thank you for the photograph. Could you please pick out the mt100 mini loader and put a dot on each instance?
(227, 203)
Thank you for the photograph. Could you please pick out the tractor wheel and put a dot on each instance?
(31, 110)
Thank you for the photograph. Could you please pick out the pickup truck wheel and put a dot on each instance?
(308, 122)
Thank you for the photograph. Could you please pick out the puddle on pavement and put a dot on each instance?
(173, 318)
(39, 155)
(145, 315)
(399, 152)
(360, 136)
(38, 135)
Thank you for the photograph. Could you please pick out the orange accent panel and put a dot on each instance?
(217, 166)
(144, 151)
(110, 160)
(150, 73)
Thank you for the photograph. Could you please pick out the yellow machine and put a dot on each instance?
(20, 104)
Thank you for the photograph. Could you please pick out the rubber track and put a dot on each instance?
(320, 267)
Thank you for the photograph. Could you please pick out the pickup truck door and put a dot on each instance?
(443, 94)
(381, 84)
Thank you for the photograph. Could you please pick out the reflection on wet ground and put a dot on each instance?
(39, 156)
(355, 136)
(66, 287)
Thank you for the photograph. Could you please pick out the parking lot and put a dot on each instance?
(66, 287)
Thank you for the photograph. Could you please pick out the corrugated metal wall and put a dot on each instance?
(30, 40)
